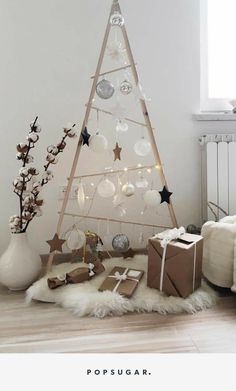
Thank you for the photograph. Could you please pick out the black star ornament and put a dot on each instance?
(165, 195)
(85, 136)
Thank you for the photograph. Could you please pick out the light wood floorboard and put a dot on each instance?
(41, 328)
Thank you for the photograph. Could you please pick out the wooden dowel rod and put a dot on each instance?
(115, 220)
(110, 113)
(112, 71)
(112, 172)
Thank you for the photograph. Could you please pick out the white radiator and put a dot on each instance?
(218, 174)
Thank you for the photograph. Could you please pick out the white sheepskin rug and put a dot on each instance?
(85, 300)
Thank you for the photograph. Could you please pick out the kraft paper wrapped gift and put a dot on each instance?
(80, 274)
(176, 270)
(122, 280)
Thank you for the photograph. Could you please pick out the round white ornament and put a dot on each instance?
(105, 89)
(142, 147)
(152, 198)
(128, 189)
(117, 19)
(76, 239)
(106, 188)
(141, 183)
(126, 87)
(121, 126)
(98, 143)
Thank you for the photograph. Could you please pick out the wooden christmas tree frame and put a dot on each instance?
(147, 123)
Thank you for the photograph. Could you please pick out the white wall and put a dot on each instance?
(49, 50)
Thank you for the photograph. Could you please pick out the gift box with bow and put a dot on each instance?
(122, 280)
(175, 262)
(80, 274)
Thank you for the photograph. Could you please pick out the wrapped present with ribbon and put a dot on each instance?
(80, 274)
(175, 262)
(122, 280)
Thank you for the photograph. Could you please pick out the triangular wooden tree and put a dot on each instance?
(114, 8)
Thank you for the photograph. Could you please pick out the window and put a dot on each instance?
(218, 54)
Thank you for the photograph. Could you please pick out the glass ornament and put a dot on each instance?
(121, 126)
(118, 200)
(152, 198)
(117, 19)
(120, 243)
(105, 89)
(75, 239)
(128, 189)
(126, 87)
(142, 147)
(106, 188)
(141, 183)
(81, 196)
(98, 143)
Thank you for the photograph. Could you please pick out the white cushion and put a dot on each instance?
(219, 251)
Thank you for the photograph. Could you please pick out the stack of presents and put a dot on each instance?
(174, 267)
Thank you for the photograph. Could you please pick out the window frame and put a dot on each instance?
(207, 104)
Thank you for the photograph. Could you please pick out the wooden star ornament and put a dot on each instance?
(55, 244)
(165, 195)
(117, 150)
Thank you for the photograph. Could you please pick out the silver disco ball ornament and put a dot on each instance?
(120, 243)
(105, 89)
(126, 87)
(117, 19)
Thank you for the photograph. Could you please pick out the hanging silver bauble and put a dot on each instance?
(117, 19)
(126, 87)
(120, 243)
(105, 89)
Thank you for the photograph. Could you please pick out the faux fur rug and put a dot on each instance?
(85, 300)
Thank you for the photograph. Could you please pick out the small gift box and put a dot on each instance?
(175, 265)
(77, 275)
(122, 280)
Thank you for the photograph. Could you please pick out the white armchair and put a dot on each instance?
(219, 252)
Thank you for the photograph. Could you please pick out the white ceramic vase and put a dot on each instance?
(20, 265)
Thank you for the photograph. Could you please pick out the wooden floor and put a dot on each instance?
(43, 327)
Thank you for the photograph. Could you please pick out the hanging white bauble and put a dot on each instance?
(76, 239)
(117, 19)
(152, 198)
(128, 189)
(106, 188)
(81, 195)
(142, 147)
(121, 126)
(98, 143)
(126, 87)
(141, 183)
(105, 89)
